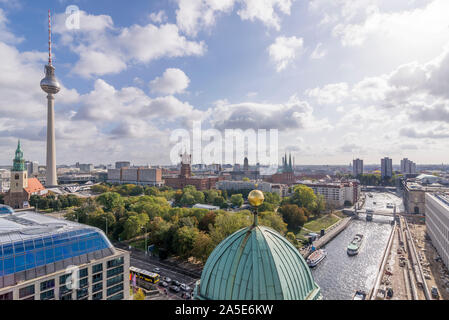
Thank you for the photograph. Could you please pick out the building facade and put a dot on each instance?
(386, 168)
(44, 258)
(139, 176)
(357, 167)
(228, 185)
(437, 223)
(5, 180)
(122, 164)
(408, 167)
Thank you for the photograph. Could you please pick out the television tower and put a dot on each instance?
(51, 86)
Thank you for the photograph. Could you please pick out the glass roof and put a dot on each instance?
(29, 240)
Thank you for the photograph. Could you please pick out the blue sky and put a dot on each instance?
(338, 79)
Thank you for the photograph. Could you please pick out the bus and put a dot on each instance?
(143, 277)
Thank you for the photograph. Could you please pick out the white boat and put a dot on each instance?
(316, 257)
(354, 246)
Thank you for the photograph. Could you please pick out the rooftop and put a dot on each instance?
(29, 240)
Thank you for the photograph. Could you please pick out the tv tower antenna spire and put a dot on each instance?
(49, 37)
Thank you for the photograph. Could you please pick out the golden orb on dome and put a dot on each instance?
(256, 198)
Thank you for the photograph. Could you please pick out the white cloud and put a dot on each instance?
(194, 15)
(284, 50)
(331, 93)
(172, 81)
(159, 17)
(294, 114)
(105, 49)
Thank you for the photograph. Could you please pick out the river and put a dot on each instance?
(340, 275)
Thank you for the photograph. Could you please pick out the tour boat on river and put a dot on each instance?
(354, 246)
(316, 257)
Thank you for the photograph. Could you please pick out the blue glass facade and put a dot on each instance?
(28, 254)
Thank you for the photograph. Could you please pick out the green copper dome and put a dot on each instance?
(256, 263)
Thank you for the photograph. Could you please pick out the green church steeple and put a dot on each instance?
(19, 162)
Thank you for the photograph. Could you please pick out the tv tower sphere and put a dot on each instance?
(50, 84)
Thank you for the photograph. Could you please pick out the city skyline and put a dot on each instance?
(303, 68)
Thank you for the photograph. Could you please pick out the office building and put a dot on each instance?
(32, 168)
(44, 258)
(437, 223)
(139, 176)
(407, 166)
(122, 164)
(230, 185)
(386, 169)
(5, 176)
(185, 177)
(357, 167)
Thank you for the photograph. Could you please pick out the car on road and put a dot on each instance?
(435, 293)
(166, 279)
(163, 284)
(156, 270)
(186, 295)
(176, 283)
(175, 289)
(185, 287)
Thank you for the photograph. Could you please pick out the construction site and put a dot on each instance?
(412, 268)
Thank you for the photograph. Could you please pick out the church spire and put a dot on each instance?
(18, 162)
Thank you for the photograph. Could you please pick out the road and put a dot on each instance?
(139, 260)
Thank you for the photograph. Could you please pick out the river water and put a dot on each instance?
(339, 275)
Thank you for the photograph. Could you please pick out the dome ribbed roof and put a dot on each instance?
(256, 263)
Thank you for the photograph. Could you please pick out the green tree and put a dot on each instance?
(136, 191)
(237, 200)
(207, 221)
(292, 238)
(273, 220)
(184, 239)
(294, 216)
(304, 197)
(110, 200)
(139, 295)
(202, 247)
(99, 188)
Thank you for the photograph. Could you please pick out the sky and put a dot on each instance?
(338, 79)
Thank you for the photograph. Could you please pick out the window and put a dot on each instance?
(83, 283)
(81, 293)
(115, 262)
(63, 278)
(66, 297)
(117, 297)
(97, 268)
(115, 289)
(115, 280)
(48, 295)
(64, 290)
(97, 287)
(27, 291)
(97, 296)
(115, 271)
(83, 273)
(6, 296)
(47, 284)
(97, 277)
